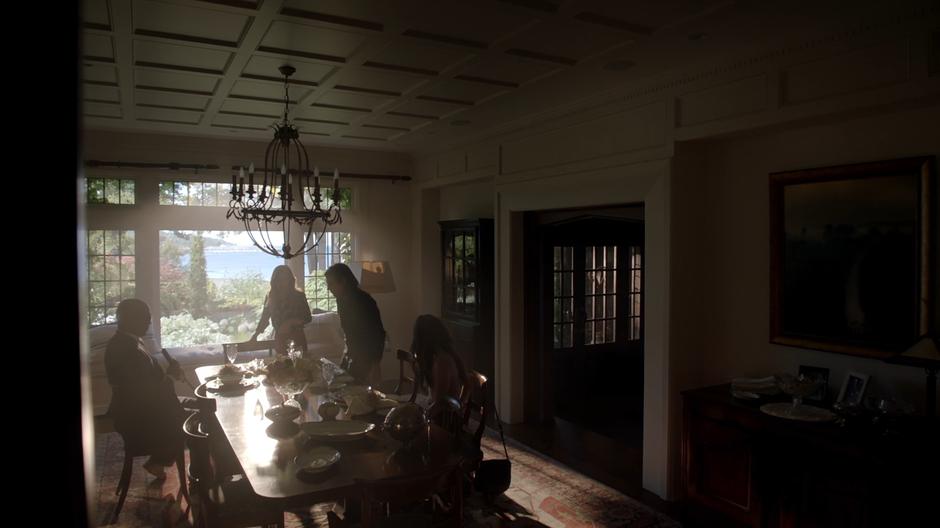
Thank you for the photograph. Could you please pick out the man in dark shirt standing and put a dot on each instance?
(144, 405)
(359, 316)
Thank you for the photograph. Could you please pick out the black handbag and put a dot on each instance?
(494, 476)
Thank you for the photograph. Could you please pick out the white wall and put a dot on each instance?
(380, 218)
(587, 153)
(731, 263)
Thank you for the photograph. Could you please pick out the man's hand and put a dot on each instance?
(174, 370)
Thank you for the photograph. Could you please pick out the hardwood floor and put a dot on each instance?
(598, 456)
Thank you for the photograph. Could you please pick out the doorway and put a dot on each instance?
(584, 339)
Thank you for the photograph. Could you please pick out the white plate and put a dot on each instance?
(317, 459)
(805, 413)
(216, 385)
(337, 430)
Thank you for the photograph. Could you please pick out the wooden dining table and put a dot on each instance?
(268, 461)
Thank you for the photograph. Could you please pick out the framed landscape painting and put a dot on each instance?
(851, 256)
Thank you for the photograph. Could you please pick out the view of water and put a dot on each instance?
(229, 264)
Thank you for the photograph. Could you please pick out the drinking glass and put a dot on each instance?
(231, 352)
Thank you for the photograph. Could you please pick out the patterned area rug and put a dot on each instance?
(543, 493)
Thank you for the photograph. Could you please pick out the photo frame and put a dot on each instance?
(853, 388)
(851, 254)
(819, 373)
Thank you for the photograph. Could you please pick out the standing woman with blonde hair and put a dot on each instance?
(285, 306)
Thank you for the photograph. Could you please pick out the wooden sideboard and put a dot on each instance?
(741, 467)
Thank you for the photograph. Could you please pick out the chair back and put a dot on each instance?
(405, 357)
(474, 396)
(399, 491)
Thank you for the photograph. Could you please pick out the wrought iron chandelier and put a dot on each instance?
(289, 196)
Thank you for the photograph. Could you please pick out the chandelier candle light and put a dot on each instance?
(281, 202)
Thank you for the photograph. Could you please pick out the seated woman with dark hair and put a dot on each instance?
(440, 369)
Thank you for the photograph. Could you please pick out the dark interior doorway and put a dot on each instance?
(584, 339)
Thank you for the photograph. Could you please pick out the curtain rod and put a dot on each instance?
(144, 165)
(197, 166)
(354, 175)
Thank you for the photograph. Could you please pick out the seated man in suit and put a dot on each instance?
(144, 405)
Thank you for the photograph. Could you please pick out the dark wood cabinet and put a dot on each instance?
(741, 467)
(467, 256)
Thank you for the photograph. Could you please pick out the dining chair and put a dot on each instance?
(221, 501)
(132, 450)
(412, 501)
(405, 357)
(475, 402)
(254, 346)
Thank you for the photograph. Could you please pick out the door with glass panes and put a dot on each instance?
(594, 288)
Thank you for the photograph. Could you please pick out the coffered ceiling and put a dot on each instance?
(396, 74)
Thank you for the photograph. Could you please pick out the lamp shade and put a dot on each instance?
(375, 276)
(924, 353)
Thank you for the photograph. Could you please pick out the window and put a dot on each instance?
(600, 294)
(345, 197)
(635, 293)
(110, 273)
(460, 271)
(563, 296)
(334, 248)
(110, 191)
(205, 194)
(212, 286)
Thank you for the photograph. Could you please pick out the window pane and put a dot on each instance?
(127, 243)
(611, 304)
(568, 258)
(112, 191)
(589, 283)
(589, 258)
(568, 309)
(196, 193)
(112, 268)
(95, 187)
(166, 193)
(612, 257)
(96, 316)
(180, 193)
(96, 242)
(556, 341)
(567, 279)
(112, 293)
(458, 246)
(556, 284)
(96, 268)
(557, 316)
(127, 192)
(568, 340)
(112, 242)
(127, 268)
(609, 331)
(211, 194)
(556, 261)
(589, 308)
(470, 246)
(96, 293)
(128, 291)
(611, 282)
(589, 333)
(598, 306)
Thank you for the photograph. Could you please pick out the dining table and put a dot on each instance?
(267, 459)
